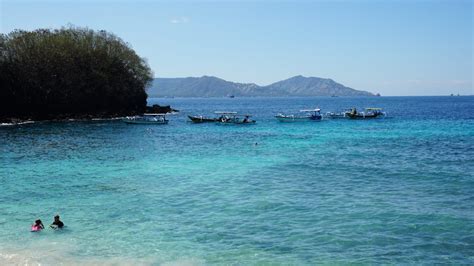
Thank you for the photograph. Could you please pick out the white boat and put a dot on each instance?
(158, 119)
(310, 115)
(337, 115)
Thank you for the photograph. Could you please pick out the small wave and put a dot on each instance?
(58, 258)
(16, 123)
(184, 262)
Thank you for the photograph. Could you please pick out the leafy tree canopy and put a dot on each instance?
(70, 72)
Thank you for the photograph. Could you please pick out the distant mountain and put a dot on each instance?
(208, 86)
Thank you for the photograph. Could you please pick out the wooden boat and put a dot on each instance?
(310, 115)
(367, 114)
(232, 118)
(155, 119)
(202, 119)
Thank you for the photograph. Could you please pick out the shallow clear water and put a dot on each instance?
(394, 190)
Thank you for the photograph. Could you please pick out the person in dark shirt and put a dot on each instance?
(57, 223)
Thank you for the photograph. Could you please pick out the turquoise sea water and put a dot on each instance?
(398, 190)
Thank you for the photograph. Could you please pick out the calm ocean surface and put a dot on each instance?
(398, 190)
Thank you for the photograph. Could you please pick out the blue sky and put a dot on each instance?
(391, 47)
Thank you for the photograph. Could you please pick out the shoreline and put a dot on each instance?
(18, 122)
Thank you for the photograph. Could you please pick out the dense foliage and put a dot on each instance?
(70, 72)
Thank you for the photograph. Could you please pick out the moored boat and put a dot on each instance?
(229, 118)
(337, 115)
(367, 114)
(202, 119)
(156, 119)
(310, 115)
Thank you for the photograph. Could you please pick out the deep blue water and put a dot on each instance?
(398, 190)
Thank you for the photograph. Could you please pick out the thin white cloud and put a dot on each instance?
(426, 82)
(461, 82)
(179, 20)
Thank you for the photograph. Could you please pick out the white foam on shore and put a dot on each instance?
(64, 120)
(38, 258)
(62, 256)
(184, 262)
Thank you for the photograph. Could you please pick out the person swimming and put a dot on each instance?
(37, 226)
(57, 223)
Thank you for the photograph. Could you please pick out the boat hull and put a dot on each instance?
(231, 122)
(200, 119)
(129, 121)
(298, 118)
(361, 116)
(330, 115)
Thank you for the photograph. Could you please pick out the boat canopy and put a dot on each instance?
(154, 114)
(311, 110)
(225, 113)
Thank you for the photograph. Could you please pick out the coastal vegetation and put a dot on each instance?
(70, 73)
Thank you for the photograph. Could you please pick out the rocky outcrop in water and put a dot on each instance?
(158, 109)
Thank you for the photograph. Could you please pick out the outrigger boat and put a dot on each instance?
(158, 119)
(228, 118)
(311, 115)
(202, 119)
(369, 113)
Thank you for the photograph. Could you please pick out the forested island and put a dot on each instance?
(70, 73)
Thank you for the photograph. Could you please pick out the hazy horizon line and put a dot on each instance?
(367, 90)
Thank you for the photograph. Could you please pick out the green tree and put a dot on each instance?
(70, 72)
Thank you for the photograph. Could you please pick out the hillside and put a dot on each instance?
(208, 86)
